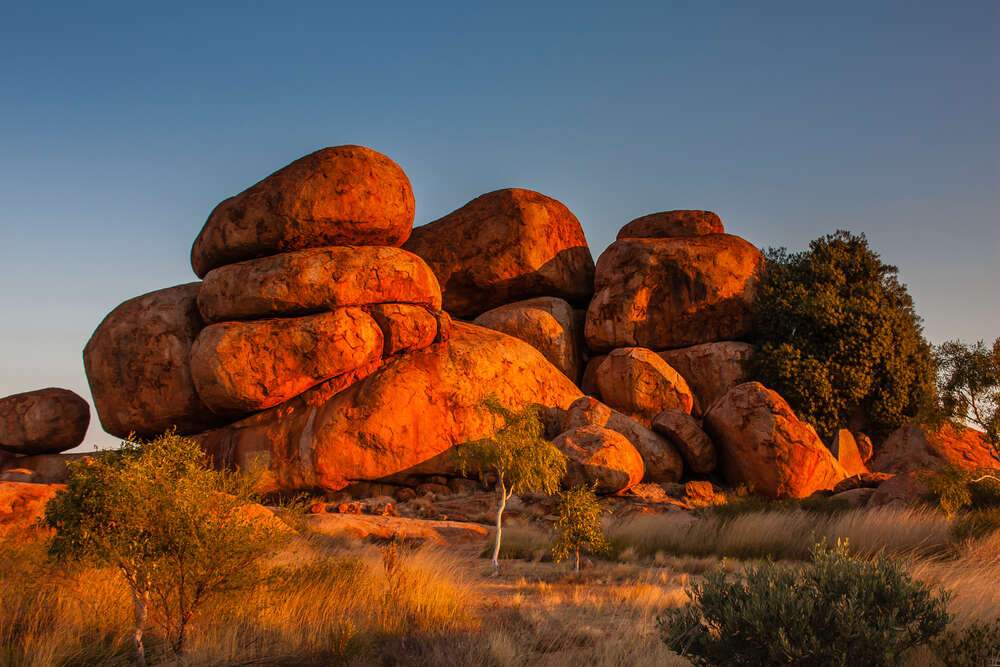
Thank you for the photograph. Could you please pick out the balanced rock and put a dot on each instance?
(670, 224)
(640, 384)
(686, 435)
(914, 447)
(506, 246)
(761, 443)
(548, 324)
(660, 458)
(845, 449)
(602, 456)
(242, 367)
(308, 281)
(711, 369)
(673, 292)
(345, 195)
(45, 421)
(137, 365)
(420, 405)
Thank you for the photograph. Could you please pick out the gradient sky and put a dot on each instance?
(122, 125)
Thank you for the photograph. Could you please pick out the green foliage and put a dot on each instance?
(837, 611)
(177, 530)
(977, 523)
(579, 525)
(838, 338)
(953, 488)
(974, 645)
(969, 385)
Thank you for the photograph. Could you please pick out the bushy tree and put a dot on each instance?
(518, 454)
(969, 386)
(579, 525)
(837, 611)
(177, 530)
(837, 336)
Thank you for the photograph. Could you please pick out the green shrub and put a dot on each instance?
(953, 488)
(974, 645)
(835, 611)
(579, 525)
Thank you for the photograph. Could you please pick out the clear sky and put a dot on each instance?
(123, 124)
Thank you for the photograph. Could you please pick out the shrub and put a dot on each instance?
(578, 525)
(176, 530)
(953, 488)
(976, 644)
(838, 338)
(836, 611)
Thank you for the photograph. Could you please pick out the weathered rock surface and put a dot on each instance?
(137, 365)
(762, 444)
(866, 480)
(241, 367)
(670, 224)
(902, 490)
(662, 461)
(317, 279)
(686, 435)
(405, 326)
(44, 421)
(858, 497)
(845, 449)
(711, 369)
(43, 468)
(22, 505)
(506, 246)
(916, 447)
(597, 454)
(420, 405)
(639, 383)
(865, 447)
(345, 195)
(673, 292)
(548, 324)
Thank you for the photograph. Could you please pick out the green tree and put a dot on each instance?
(837, 336)
(579, 525)
(177, 530)
(969, 386)
(518, 454)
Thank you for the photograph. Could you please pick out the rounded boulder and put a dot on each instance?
(639, 383)
(602, 457)
(44, 421)
(671, 224)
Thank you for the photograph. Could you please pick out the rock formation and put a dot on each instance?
(602, 456)
(845, 449)
(914, 447)
(640, 384)
(711, 369)
(686, 435)
(671, 224)
(44, 421)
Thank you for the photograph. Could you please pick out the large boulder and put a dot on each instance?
(548, 324)
(44, 421)
(412, 408)
(662, 461)
(137, 365)
(506, 246)
(914, 447)
(673, 292)
(711, 369)
(640, 384)
(22, 505)
(670, 224)
(600, 456)
(43, 468)
(905, 489)
(845, 449)
(307, 281)
(762, 444)
(686, 435)
(345, 195)
(406, 326)
(242, 367)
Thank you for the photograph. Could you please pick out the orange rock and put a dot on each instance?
(415, 406)
(673, 292)
(602, 456)
(546, 323)
(865, 480)
(711, 369)
(694, 445)
(241, 367)
(22, 505)
(659, 456)
(901, 490)
(917, 447)
(669, 224)
(845, 449)
(345, 195)
(137, 365)
(506, 246)
(307, 281)
(44, 421)
(762, 444)
(640, 384)
(865, 447)
(404, 326)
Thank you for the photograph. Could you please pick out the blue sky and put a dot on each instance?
(122, 125)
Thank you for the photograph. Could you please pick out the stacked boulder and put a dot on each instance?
(35, 428)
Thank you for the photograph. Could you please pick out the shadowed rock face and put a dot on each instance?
(762, 444)
(137, 365)
(506, 246)
(45, 421)
(671, 224)
(345, 195)
(673, 292)
(914, 447)
(693, 443)
(406, 412)
(711, 369)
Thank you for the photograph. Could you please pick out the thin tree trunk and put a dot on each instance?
(141, 612)
(577, 569)
(503, 505)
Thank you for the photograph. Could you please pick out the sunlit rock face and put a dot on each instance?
(672, 224)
